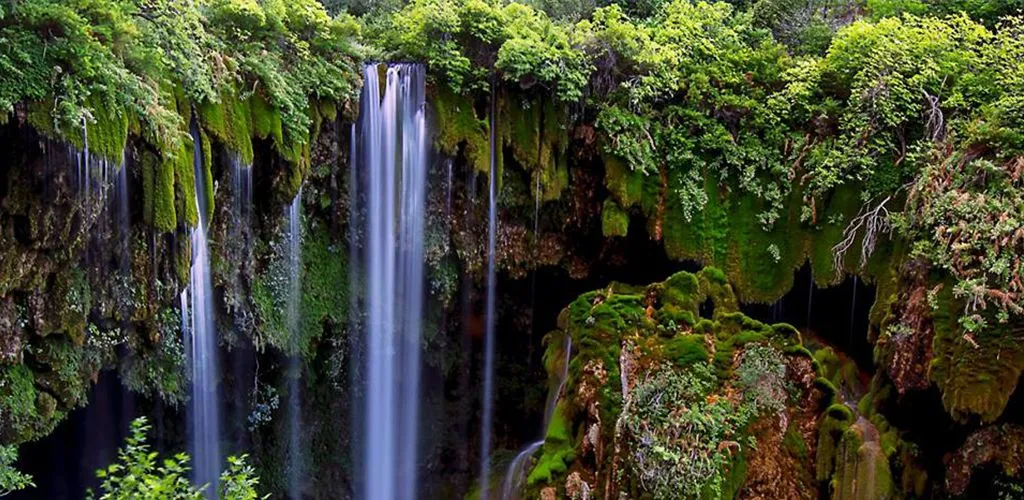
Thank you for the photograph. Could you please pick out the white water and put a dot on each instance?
(201, 341)
(393, 154)
(519, 468)
(810, 300)
(94, 176)
(241, 211)
(488, 392)
(241, 188)
(448, 163)
(294, 215)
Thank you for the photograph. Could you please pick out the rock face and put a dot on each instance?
(78, 296)
(668, 403)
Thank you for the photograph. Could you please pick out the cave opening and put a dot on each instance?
(64, 464)
(835, 316)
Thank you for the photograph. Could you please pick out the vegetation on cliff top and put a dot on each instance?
(115, 65)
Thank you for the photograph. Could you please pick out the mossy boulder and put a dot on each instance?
(624, 338)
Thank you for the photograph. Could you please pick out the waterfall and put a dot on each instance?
(294, 214)
(393, 160)
(488, 392)
(518, 469)
(241, 207)
(810, 299)
(200, 339)
(448, 201)
(122, 215)
(241, 184)
(533, 274)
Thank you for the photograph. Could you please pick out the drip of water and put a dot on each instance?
(448, 201)
(357, 431)
(533, 275)
(810, 299)
(393, 155)
(294, 214)
(241, 201)
(200, 337)
(518, 469)
(488, 389)
(122, 215)
(536, 208)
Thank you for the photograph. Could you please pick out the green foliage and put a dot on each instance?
(965, 218)
(676, 424)
(324, 266)
(762, 377)
(18, 398)
(460, 39)
(696, 107)
(139, 473)
(157, 368)
(115, 65)
(986, 11)
(557, 452)
(11, 479)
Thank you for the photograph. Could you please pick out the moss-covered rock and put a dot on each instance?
(977, 373)
(627, 338)
(614, 220)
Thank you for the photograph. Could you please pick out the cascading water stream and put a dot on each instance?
(810, 299)
(488, 389)
(200, 339)
(517, 470)
(393, 162)
(294, 215)
(241, 209)
(449, 167)
(533, 275)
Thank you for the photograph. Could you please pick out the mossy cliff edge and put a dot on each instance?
(696, 129)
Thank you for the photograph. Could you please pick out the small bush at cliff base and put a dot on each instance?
(138, 473)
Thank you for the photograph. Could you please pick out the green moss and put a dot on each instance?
(827, 388)
(862, 470)
(18, 399)
(532, 127)
(228, 121)
(158, 192)
(614, 220)
(322, 300)
(685, 350)
(735, 478)
(108, 130)
(458, 126)
(794, 443)
(829, 362)
(836, 421)
(207, 152)
(976, 377)
(185, 184)
(266, 121)
(682, 291)
(71, 302)
(557, 452)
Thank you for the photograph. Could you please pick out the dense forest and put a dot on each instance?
(583, 249)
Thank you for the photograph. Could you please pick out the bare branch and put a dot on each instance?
(875, 221)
